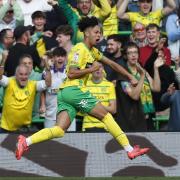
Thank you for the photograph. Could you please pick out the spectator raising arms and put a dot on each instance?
(145, 16)
(19, 97)
(30, 6)
(84, 8)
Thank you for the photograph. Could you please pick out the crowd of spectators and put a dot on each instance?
(143, 36)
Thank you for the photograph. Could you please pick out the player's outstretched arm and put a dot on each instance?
(118, 68)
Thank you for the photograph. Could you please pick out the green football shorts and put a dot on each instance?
(72, 99)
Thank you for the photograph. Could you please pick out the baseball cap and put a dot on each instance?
(20, 30)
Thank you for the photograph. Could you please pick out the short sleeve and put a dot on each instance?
(97, 55)
(4, 81)
(125, 87)
(40, 85)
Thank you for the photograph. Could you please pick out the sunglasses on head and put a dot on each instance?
(139, 29)
(148, 1)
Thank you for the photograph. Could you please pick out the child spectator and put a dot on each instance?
(48, 103)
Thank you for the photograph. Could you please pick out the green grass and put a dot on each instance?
(95, 178)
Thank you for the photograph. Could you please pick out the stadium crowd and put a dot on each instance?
(37, 40)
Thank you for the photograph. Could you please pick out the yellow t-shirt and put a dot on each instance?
(17, 105)
(80, 57)
(152, 17)
(104, 92)
(110, 25)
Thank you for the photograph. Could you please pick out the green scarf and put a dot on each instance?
(146, 95)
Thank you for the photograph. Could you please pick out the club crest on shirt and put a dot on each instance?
(26, 93)
(76, 56)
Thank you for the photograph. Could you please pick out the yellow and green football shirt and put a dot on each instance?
(153, 17)
(17, 105)
(80, 57)
(104, 92)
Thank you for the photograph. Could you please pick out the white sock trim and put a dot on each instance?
(128, 148)
(28, 141)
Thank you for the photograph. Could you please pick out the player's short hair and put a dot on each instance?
(65, 29)
(87, 22)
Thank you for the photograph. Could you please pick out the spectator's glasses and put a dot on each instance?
(143, 1)
(139, 29)
(9, 37)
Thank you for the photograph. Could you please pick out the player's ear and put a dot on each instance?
(86, 32)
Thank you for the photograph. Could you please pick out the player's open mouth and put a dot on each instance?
(97, 40)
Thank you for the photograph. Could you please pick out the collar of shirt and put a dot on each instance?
(54, 69)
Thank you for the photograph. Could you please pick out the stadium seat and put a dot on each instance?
(37, 120)
(37, 123)
(160, 119)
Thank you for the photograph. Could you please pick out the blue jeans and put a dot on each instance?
(174, 103)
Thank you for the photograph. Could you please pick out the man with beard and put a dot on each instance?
(22, 37)
(113, 51)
